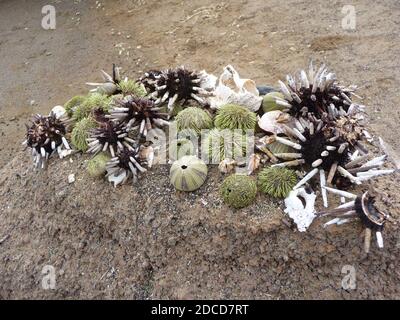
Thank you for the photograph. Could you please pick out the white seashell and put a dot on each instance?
(268, 122)
(59, 111)
(302, 215)
(227, 165)
(117, 179)
(233, 89)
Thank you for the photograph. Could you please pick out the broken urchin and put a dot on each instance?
(175, 85)
(315, 91)
(364, 208)
(110, 136)
(127, 164)
(45, 136)
(139, 113)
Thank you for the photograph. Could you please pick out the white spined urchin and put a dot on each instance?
(110, 136)
(139, 113)
(321, 149)
(45, 136)
(125, 165)
(316, 92)
(173, 85)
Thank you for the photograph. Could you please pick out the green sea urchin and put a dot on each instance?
(276, 182)
(238, 191)
(131, 87)
(193, 118)
(81, 132)
(269, 102)
(92, 102)
(221, 144)
(72, 104)
(179, 148)
(232, 116)
(96, 167)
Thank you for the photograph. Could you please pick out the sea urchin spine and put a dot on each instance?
(44, 136)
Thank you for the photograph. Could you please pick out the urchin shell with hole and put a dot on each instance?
(188, 173)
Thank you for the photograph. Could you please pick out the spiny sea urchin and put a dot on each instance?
(193, 118)
(94, 101)
(277, 182)
(175, 85)
(316, 91)
(238, 191)
(126, 164)
(131, 87)
(110, 136)
(232, 116)
(96, 167)
(321, 148)
(139, 113)
(80, 133)
(72, 104)
(364, 208)
(45, 136)
(221, 144)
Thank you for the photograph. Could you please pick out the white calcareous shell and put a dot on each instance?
(227, 165)
(233, 89)
(269, 122)
(59, 111)
(302, 215)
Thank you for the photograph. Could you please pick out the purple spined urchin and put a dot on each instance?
(45, 136)
(149, 80)
(110, 136)
(316, 92)
(364, 208)
(139, 113)
(125, 165)
(178, 84)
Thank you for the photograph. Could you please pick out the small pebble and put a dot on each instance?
(71, 178)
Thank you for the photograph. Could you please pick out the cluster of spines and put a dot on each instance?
(174, 85)
(45, 136)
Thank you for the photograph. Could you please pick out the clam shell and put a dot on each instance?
(188, 173)
(268, 122)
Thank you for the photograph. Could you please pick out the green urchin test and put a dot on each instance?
(269, 102)
(238, 191)
(188, 173)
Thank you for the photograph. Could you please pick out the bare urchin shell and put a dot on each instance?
(45, 136)
(188, 173)
(317, 92)
(110, 84)
(174, 85)
(111, 136)
(125, 165)
(139, 113)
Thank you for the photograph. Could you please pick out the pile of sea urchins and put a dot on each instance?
(307, 132)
